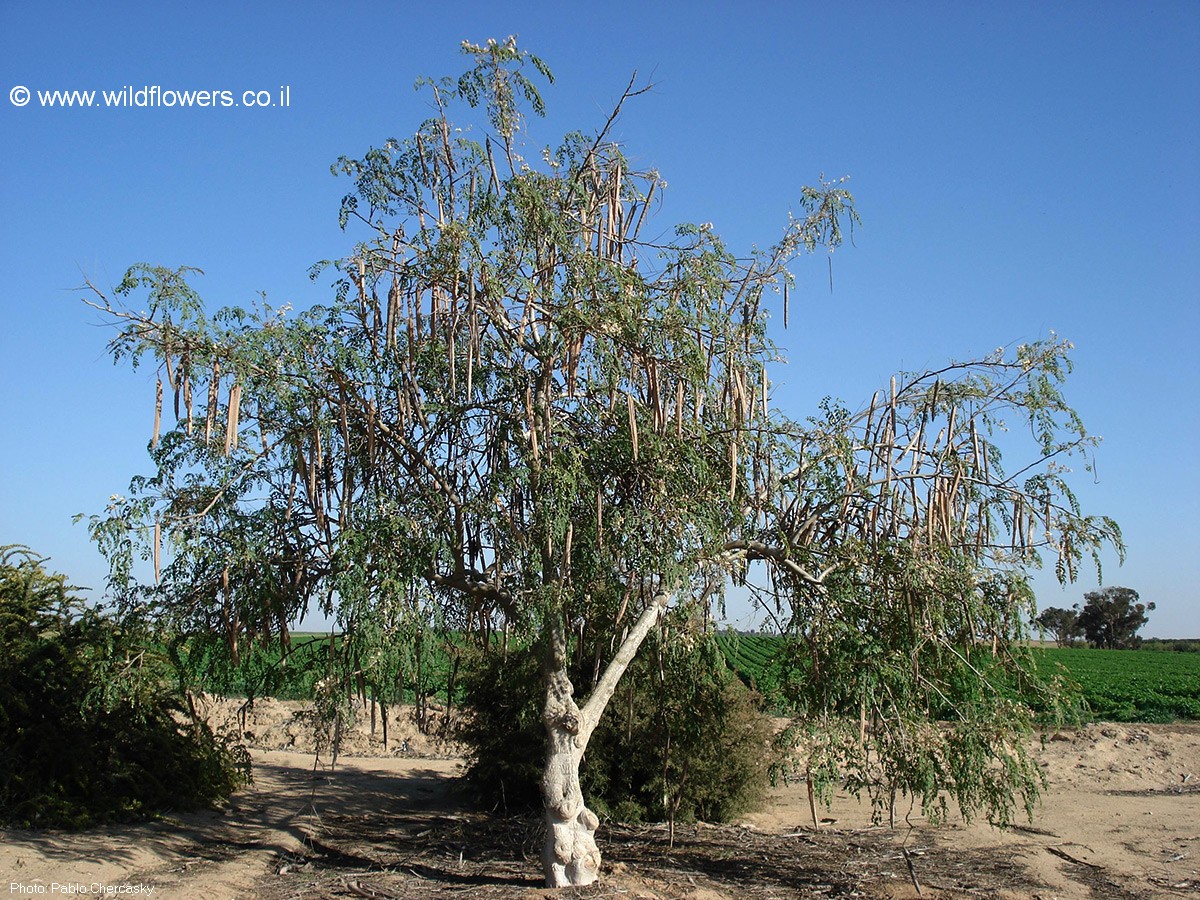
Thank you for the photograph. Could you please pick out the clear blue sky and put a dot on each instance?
(1019, 168)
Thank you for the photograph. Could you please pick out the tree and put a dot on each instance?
(1062, 623)
(520, 413)
(1111, 617)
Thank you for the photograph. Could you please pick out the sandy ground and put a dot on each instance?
(1121, 818)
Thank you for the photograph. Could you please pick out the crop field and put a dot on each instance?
(1133, 685)
(1118, 685)
(755, 659)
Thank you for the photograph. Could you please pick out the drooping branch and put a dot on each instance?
(598, 699)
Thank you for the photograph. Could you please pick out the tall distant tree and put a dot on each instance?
(1062, 623)
(521, 412)
(1112, 617)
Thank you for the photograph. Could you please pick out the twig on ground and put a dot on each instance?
(912, 871)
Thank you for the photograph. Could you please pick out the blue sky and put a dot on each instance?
(1020, 168)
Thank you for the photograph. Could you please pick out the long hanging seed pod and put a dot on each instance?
(930, 514)
(655, 398)
(319, 455)
(532, 424)
(733, 468)
(1017, 537)
(210, 412)
(187, 399)
(393, 312)
(471, 350)
(231, 425)
(371, 436)
(867, 437)
(948, 514)
(566, 565)
(764, 392)
(157, 552)
(633, 429)
(158, 395)
(645, 206)
(287, 513)
(785, 304)
(600, 518)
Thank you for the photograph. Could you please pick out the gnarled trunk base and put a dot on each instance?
(570, 856)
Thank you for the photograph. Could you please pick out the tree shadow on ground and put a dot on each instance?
(430, 856)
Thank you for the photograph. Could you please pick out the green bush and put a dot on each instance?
(88, 733)
(682, 738)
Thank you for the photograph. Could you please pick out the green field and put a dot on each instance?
(1118, 685)
(1133, 685)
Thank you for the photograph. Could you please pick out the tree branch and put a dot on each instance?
(602, 693)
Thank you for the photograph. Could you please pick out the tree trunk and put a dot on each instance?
(570, 857)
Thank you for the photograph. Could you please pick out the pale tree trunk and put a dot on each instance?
(570, 856)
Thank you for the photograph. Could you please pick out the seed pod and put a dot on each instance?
(633, 429)
(158, 395)
(764, 392)
(210, 414)
(187, 400)
(231, 424)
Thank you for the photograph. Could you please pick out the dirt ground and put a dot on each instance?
(1121, 819)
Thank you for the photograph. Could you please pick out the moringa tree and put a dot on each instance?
(523, 411)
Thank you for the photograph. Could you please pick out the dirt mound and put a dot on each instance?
(293, 725)
(1120, 758)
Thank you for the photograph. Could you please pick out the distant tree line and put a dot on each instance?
(1110, 619)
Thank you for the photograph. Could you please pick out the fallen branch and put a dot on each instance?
(1063, 854)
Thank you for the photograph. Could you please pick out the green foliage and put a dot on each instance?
(681, 739)
(503, 729)
(1062, 623)
(1130, 685)
(87, 732)
(203, 663)
(1112, 617)
(1172, 645)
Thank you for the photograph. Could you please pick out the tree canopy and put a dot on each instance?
(1062, 623)
(523, 409)
(1111, 617)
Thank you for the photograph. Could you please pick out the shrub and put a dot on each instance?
(88, 733)
(683, 739)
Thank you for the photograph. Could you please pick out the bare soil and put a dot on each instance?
(1121, 819)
